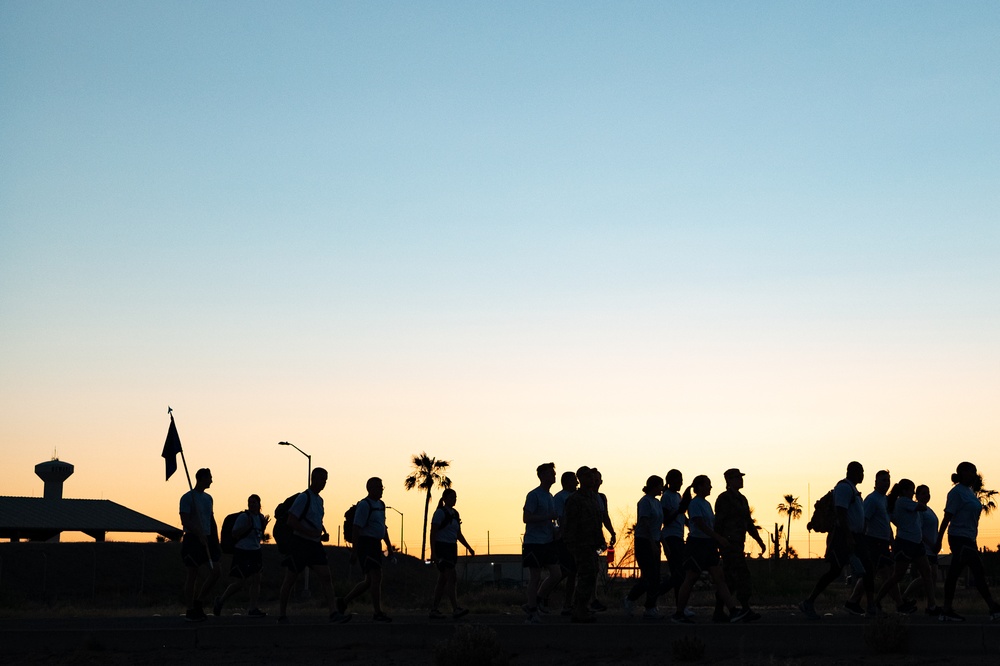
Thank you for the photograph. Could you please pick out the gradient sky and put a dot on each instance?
(631, 235)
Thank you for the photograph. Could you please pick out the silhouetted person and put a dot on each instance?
(446, 534)
(846, 539)
(733, 521)
(595, 603)
(961, 519)
(703, 551)
(584, 537)
(538, 550)
(928, 538)
(674, 519)
(369, 533)
(248, 531)
(200, 544)
(907, 549)
(878, 558)
(646, 548)
(567, 564)
(305, 517)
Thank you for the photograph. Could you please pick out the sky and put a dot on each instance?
(637, 236)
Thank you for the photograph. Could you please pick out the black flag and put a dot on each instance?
(171, 448)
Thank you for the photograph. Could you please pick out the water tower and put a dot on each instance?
(53, 473)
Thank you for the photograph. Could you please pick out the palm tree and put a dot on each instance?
(427, 473)
(791, 508)
(988, 498)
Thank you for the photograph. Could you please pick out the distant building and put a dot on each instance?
(45, 518)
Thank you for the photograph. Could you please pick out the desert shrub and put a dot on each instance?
(888, 634)
(688, 648)
(471, 644)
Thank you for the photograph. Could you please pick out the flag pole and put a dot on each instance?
(170, 412)
(208, 550)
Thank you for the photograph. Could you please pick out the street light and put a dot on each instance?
(400, 549)
(309, 473)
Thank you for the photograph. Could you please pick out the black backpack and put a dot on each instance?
(282, 531)
(824, 514)
(227, 542)
(349, 520)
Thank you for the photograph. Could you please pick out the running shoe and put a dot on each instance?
(217, 607)
(628, 606)
(681, 618)
(652, 615)
(533, 618)
(906, 608)
(752, 616)
(435, 614)
(195, 614)
(808, 609)
(688, 612)
(256, 612)
(948, 615)
(336, 617)
(854, 608)
(739, 614)
(282, 619)
(597, 606)
(720, 617)
(459, 612)
(381, 617)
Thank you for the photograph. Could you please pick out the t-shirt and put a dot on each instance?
(649, 507)
(671, 502)
(370, 517)
(846, 496)
(877, 516)
(313, 518)
(928, 530)
(906, 519)
(732, 516)
(199, 505)
(539, 503)
(965, 509)
(559, 502)
(700, 508)
(447, 521)
(252, 539)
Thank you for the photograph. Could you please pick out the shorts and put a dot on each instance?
(304, 553)
(702, 555)
(839, 552)
(246, 563)
(907, 551)
(879, 553)
(538, 555)
(369, 553)
(194, 553)
(565, 556)
(446, 555)
(963, 552)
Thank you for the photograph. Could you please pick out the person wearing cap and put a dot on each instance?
(734, 522)
(584, 537)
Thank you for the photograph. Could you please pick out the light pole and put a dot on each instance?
(309, 473)
(309, 458)
(400, 548)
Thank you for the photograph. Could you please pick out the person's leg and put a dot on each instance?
(684, 595)
(586, 582)
(924, 569)
(254, 590)
(190, 581)
(896, 575)
(721, 588)
(640, 549)
(534, 579)
(375, 583)
(438, 590)
(325, 581)
(451, 588)
(979, 578)
(286, 590)
(546, 586)
(208, 583)
(832, 573)
(652, 574)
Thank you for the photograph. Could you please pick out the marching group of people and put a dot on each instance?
(565, 532)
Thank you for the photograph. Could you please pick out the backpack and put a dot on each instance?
(349, 521)
(282, 531)
(227, 542)
(824, 514)
(824, 517)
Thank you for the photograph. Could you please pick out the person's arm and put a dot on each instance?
(461, 540)
(941, 530)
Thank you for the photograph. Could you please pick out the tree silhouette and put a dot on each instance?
(986, 497)
(427, 473)
(791, 508)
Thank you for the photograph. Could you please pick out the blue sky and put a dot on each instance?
(532, 226)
